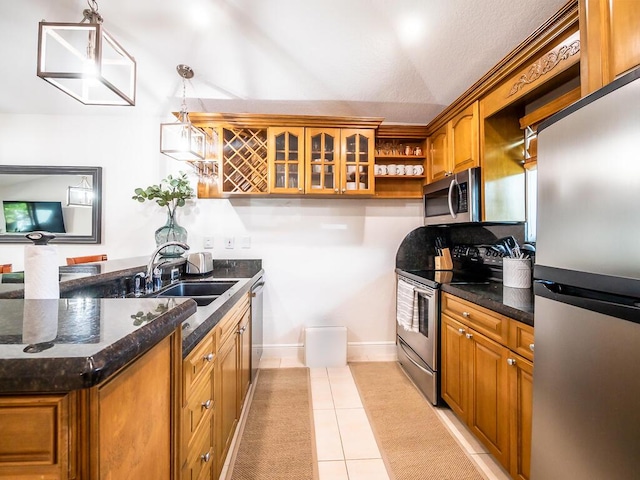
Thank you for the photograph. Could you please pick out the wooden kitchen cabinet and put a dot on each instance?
(214, 382)
(339, 161)
(478, 384)
(520, 421)
(610, 37)
(454, 147)
(485, 383)
(286, 160)
(35, 438)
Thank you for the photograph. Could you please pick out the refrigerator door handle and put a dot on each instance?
(625, 308)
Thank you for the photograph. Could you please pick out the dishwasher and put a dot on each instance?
(257, 294)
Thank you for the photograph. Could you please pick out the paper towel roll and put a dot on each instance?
(41, 272)
(40, 321)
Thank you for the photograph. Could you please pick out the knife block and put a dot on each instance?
(444, 261)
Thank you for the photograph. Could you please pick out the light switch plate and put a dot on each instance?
(229, 242)
(245, 241)
(208, 243)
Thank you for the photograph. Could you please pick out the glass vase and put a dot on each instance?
(171, 232)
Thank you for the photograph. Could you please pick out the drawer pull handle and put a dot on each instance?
(531, 347)
(208, 358)
(206, 456)
(207, 405)
(461, 331)
(466, 314)
(511, 361)
(469, 336)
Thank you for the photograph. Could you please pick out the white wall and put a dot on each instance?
(328, 261)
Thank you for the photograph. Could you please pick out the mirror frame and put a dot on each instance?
(96, 209)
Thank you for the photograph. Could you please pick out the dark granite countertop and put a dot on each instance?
(74, 343)
(94, 337)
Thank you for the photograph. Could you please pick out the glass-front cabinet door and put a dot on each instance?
(322, 161)
(357, 162)
(286, 160)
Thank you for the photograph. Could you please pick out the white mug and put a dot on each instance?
(418, 169)
(383, 170)
(391, 169)
(401, 169)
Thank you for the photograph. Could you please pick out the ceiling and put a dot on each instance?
(404, 60)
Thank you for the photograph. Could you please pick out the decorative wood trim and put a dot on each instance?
(558, 25)
(418, 132)
(251, 120)
(545, 64)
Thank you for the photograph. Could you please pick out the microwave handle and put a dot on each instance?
(450, 198)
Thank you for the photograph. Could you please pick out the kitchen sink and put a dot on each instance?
(203, 292)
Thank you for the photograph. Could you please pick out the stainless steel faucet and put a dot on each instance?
(149, 274)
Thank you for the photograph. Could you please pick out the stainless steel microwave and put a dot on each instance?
(455, 199)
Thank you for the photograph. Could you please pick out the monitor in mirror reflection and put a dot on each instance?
(62, 200)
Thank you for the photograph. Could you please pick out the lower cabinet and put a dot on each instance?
(486, 384)
(121, 428)
(216, 376)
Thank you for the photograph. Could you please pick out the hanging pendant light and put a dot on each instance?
(181, 140)
(84, 61)
(80, 195)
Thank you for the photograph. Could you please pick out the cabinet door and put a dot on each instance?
(489, 394)
(438, 161)
(521, 407)
(610, 37)
(286, 160)
(244, 355)
(463, 139)
(227, 398)
(455, 370)
(357, 162)
(322, 166)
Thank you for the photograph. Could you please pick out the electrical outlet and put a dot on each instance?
(208, 243)
(245, 241)
(229, 242)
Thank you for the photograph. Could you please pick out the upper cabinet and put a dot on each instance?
(339, 161)
(286, 159)
(454, 147)
(610, 36)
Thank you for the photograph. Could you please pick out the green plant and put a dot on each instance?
(172, 192)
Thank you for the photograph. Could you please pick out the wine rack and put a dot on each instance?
(244, 160)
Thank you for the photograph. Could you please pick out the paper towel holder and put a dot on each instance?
(40, 237)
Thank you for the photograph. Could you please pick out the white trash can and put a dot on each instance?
(325, 347)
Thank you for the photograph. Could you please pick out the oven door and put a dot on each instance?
(425, 341)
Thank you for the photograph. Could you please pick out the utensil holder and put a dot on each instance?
(444, 261)
(516, 272)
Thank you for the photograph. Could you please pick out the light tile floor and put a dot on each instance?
(345, 446)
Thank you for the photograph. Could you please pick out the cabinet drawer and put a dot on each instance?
(521, 338)
(198, 364)
(200, 404)
(201, 457)
(229, 323)
(490, 323)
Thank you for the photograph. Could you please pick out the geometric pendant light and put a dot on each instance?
(86, 62)
(180, 140)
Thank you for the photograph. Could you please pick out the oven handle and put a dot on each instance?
(412, 360)
(424, 292)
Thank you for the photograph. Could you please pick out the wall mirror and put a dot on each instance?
(66, 201)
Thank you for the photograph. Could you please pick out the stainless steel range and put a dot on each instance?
(418, 345)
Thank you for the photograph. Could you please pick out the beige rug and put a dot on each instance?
(411, 437)
(276, 442)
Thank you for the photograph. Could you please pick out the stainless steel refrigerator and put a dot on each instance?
(586, 380)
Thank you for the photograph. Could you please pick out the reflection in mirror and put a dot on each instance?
(62, 200)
